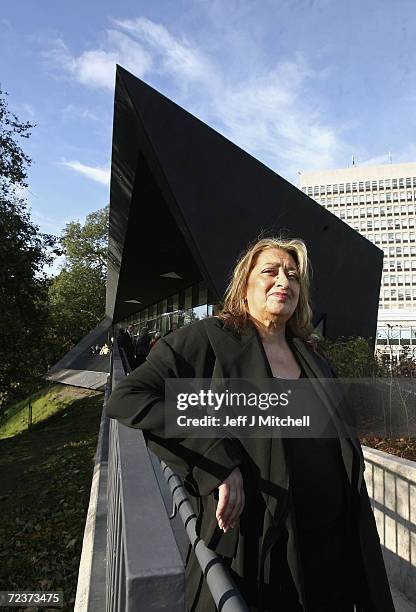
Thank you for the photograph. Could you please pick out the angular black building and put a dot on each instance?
(185, 201)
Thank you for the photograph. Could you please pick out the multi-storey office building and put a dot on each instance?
(379, 202)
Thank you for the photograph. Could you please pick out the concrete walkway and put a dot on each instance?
(401, 603)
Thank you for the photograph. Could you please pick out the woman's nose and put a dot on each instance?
(281, 279)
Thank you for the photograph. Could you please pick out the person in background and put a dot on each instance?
(125, 342)
(173, 328)
(142, 346)
(104, 349)
(155, 338)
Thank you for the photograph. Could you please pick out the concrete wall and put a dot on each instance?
(391, 483)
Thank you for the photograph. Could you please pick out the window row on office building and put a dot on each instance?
(359, 186)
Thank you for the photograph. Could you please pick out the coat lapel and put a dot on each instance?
(331, 397)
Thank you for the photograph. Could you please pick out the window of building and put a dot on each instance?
(409, 195)
(395, 197)
(348, 199)
(322, 189)
(367, 185)
(411, 237)
(341, 188)
(381, 184)
(310, 191)
(402, 195)
(354, 199)
(329, 188)
(374, 185)
(387, 183)
(355, 213)
(394, 184)
(316, 190)
(384, 238)
(408, 182)
(401, 183)
(354, 186)
(361, 186)
(334, 188)
(347, 187)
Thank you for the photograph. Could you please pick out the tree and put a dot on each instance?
(23, 253)
(13, 161)
(77, 294)
(352, 358)
(87, 245)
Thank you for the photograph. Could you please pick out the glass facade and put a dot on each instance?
(190, 304)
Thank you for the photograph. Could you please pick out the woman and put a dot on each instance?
(291, 518)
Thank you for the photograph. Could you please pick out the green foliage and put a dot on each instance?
(46, 480)
(87, 245)
(23, 254)
(13, 161)
(352, 358)
(45, 403)
(77, 293)
(77, 299)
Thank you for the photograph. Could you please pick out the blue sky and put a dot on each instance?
(300, 84)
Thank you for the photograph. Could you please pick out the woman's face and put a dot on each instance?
(273, 287)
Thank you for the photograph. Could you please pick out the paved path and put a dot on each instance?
(401, 603)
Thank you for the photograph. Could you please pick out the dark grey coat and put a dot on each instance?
(208, 349)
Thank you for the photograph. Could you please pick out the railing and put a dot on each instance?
(131, 558)
(391, 483)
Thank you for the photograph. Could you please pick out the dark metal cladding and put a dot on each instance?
(186, 199)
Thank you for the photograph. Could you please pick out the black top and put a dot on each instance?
(318, 477)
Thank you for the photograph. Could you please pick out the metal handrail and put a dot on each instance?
(223, 590)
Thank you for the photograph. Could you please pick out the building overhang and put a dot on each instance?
(185, 201)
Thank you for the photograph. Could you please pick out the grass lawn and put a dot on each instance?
(45, 479)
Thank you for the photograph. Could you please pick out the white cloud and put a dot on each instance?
(98, 174)
(97, 67)
(177, 56)
(272, 112)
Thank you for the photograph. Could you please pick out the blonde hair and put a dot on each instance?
(235, 310)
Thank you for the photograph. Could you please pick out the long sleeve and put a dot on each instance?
(138, 401)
